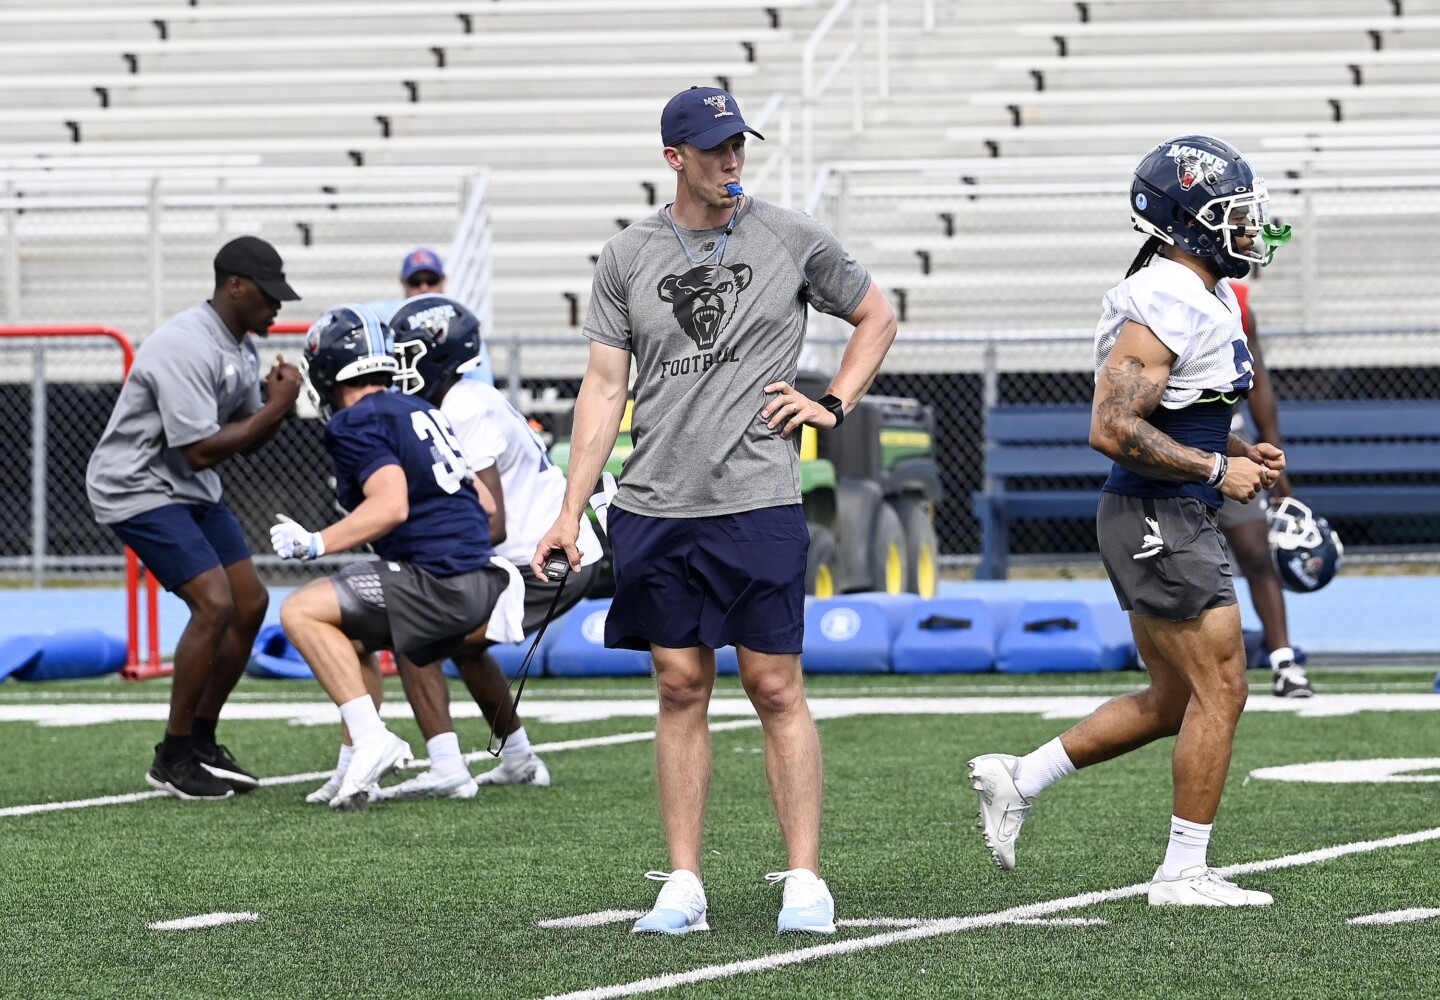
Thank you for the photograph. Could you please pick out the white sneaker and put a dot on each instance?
(431, 784)
(322, 795)
(1002, 808)
(680, 907)
(808, 907)
(529, 770)
(374, 758)
(1201, 886)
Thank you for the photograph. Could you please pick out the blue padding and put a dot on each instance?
(579, 649)
(272, 656)
(511, 654)
(727, 662)
(852, 634)
(19, 652)
(1257, 657)
(64, 655)
(950, 635)
(1066, 637)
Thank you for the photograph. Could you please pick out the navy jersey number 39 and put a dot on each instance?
(449, 467)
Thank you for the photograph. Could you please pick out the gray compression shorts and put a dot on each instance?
(399, 606)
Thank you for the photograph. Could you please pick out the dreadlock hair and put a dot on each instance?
(1147, 251)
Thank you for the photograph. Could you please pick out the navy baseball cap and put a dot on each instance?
(421, 259)
(702, 116)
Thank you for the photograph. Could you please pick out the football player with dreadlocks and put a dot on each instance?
(1171, 362)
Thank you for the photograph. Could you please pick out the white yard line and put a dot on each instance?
(202, 921)
(955, 925)
(602, 917)
(308, 713)
(616, 739)
(1393, 917)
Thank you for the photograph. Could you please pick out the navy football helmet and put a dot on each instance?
(1198, 193)
(348, 341)
(1306, 551)
(435, 338)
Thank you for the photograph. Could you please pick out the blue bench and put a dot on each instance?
(1346, 459)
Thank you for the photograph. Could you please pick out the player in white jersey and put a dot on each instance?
(1171, 362)
(436, 339)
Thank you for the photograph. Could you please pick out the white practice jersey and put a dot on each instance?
(1202, 329)
(492, 432)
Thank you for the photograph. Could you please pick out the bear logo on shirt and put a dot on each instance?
(704, 299)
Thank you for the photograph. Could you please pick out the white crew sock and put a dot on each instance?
(1188, 845)
(1041, 768)
(1280, 657)
(361, 718)
(445, 753)
(346, 752)
(517, 746)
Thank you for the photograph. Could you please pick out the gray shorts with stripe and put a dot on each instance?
(1166, 557)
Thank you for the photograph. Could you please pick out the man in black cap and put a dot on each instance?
(192, 400)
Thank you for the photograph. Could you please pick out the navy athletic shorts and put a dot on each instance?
(180, 541)
(732, 579)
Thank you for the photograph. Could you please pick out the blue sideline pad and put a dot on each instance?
(511, 654)
(1066, 637)
(950, 635)
(579, 649)
(853, 634)
(61, 655)
(273, 657)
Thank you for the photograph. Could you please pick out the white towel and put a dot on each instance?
(507, 621)
(600, 502)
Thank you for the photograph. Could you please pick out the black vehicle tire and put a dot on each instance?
(889, 567)
(922, 547)
(822, 565)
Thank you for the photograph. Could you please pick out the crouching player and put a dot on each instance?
(437, 340)
(400, 473)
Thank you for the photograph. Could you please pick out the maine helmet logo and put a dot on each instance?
(1307, 569)
(1141, 202)
(1193, 165)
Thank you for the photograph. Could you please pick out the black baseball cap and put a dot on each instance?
(702, 116)
(253, 258)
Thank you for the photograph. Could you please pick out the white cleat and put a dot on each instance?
(1003, 809)
(529, 770)
(1201, 886)
(322, 795)
(680, 907)
(374, 758)
(430, 784)
(808, 907)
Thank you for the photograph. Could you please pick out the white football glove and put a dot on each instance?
(291, 541)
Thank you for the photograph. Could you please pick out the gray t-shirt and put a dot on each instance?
(707, 338)
(190, 377)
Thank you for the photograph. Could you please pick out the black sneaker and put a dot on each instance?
(217, 760)
(1289, 681)
(185, 778)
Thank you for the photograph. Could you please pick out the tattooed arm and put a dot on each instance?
(1126, 393)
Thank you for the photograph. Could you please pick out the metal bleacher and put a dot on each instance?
(996, 148)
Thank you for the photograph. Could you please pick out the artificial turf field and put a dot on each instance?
(445, 899)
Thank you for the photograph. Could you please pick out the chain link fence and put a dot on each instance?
(956, 374)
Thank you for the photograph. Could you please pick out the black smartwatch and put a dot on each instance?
(835, 406)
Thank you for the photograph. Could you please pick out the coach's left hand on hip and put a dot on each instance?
(291, 541)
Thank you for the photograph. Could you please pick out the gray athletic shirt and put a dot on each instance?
(707, 338)
(190, 376)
